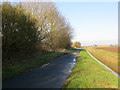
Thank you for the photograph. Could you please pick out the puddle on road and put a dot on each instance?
(70, 66)
(74, 60)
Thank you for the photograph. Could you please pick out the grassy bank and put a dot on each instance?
(88, 73)
(109, 58)
(11, 69)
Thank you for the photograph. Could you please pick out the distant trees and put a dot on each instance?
(28, 26)
(76, 45)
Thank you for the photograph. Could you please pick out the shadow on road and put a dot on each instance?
(51, 75)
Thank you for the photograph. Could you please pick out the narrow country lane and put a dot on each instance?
(52, 75)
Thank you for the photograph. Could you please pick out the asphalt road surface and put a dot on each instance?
(51, 75)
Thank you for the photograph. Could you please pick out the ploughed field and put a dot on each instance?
(112, 49)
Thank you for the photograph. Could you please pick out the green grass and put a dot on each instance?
(12, 69)
(109, 58)
(88, 73)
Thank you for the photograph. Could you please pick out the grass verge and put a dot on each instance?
(11, 69)
(88, 73)
(110, 59)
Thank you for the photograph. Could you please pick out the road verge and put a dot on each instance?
(88, 73)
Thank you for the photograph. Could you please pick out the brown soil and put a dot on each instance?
(112, 49)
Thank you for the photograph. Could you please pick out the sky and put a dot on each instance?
(92, 22)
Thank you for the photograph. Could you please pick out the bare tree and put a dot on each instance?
(54, 32)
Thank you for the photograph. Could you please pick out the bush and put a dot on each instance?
(19, 32)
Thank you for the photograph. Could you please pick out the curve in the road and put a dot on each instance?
(52, 75)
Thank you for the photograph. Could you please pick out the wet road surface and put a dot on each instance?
(51, 75)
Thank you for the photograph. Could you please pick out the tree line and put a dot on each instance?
(31, 26)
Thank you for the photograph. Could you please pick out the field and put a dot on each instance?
(88, 73)
(111, 49)
(107, 55)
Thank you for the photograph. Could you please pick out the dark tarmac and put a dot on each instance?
(51, 75)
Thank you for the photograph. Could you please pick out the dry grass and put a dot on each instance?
(109, 57)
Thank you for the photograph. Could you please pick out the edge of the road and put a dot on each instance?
(59, 57)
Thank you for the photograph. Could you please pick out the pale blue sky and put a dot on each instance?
(92, 22)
